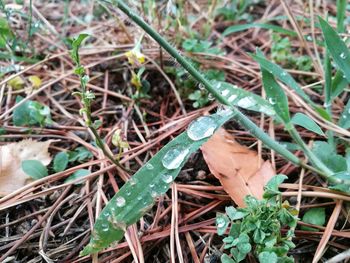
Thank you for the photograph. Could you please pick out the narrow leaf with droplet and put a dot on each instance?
(336, 47)
(276, 95)
(138, 195)
(305, 121)
(243, 98)
(344, 120)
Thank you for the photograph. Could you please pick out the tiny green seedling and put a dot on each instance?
(257, 228)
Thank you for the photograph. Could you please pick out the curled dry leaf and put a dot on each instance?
(12, 177)
(236, 166)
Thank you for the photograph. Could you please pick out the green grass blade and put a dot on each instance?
(344, 120)
(337, 48)
(237, 28)
(341, 10)
(328, 83)
(305, 121)
(339, 83)
(243, 98)
(276, 95)
(138, 195)
(281, 74)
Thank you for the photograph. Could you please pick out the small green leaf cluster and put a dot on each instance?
(281, 53)
(236, 10)
(31, 113)
(257, 228)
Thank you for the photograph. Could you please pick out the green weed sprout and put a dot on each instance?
(87, 97)
(257, 228)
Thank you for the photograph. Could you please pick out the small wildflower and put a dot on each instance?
(35, 81)
(136, 80)
(135, 57)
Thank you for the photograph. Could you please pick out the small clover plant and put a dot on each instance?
(257, 228)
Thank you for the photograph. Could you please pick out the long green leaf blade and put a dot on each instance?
(281, 74)
(337, 48)
(244, 99)
(237, 28)
(276, 95)
(138, 195)
(344, 120)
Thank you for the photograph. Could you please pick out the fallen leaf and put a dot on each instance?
(236, 166)
(12, 176)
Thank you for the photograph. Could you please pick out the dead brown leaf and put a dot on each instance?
(236, 166)
(12, 177)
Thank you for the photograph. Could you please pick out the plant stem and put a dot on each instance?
(240, 117)
(243, 120)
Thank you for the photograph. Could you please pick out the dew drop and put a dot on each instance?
(283, 74)
(342, 55)
(220, 222)
(167, 178)
(201, 86)
(120, 201)
(349, 110)
(211, 97)
(151, 185)
(272, 101)
(133, 181)
(246, 102)
(174, 157)
(105, 227)
(201, 128)
(225, 92)
(154, 194)
(149, 166)
(139, 198)
(232, 97)
(128, 192)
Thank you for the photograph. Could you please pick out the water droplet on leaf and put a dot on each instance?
(174, 157)
(120, 201)
(167, 178)
(342, 55)
(246, 102)
(220, 222)
(149, 166)
(272, 101)
(201, 128)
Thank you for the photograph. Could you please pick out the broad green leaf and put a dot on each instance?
(244, 99)
(344, 120)
(244, 248)
(271, 188)
(327, 154)
(276, 96)
(34, 169)
(153, 179)
(60, 162)
(267, 257)
(337, 48)
(234, 214)
(226, 259)
(237, 28)
(281, 74)
(315, 216)
(77, 174)
(31, 113)
(305, 121)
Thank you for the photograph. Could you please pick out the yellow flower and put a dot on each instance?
(35, 80)
(135, 80)
(16, 83)
(135, 56)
